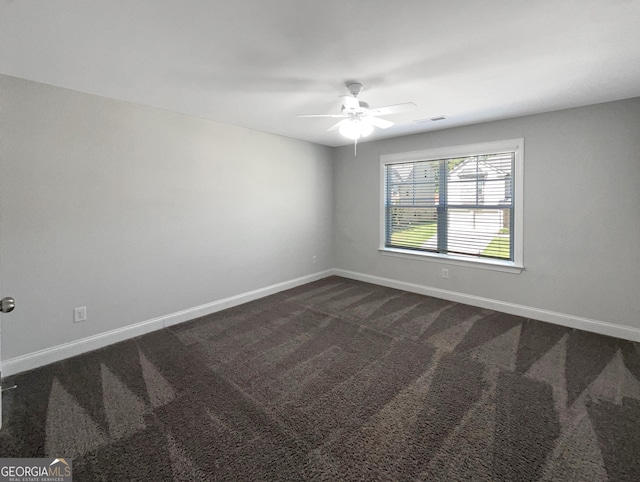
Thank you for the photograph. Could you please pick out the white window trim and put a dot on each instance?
(514, 145)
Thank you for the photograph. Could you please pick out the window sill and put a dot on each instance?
(493, 265)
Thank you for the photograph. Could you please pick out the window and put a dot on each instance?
(460, 204)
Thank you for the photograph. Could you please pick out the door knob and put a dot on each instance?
(7, 304)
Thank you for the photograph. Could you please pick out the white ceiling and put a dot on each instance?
(258, 63)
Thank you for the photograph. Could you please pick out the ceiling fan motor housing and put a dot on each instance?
(355, 111)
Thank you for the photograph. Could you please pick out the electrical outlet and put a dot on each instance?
(313, 260)
(445, 273)
(80, 314)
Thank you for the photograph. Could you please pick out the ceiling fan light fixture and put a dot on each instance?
(350, 130)
(365, 129)
(355, 129)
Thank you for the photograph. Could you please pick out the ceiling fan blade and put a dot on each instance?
(350, 102)
(381, 123)
(336, 126)
(392, 109)
(320, 115)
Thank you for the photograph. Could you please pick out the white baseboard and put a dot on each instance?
(40, 358)
(563, 319)
(37, 359)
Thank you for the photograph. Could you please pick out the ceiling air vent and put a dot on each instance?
(431, 119)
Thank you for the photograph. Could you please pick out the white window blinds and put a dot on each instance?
(459, 206)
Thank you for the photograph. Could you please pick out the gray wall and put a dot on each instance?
(138, 213)
(581, 213)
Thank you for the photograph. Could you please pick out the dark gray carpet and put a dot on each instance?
(339, 380)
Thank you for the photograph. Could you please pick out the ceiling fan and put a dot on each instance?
(358, 119)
